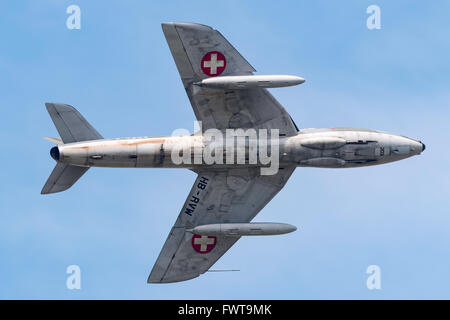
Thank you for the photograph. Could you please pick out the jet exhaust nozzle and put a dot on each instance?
(54, 153)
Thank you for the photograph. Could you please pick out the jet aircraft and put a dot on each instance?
(226, 96)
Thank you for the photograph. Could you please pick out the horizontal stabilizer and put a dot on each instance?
(71, 125)
(62, 178)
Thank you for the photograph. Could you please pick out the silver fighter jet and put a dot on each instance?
(229, 191)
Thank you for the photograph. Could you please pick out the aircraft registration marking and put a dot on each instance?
(195, 199)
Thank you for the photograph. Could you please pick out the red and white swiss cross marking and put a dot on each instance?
(203, 244)
(213, 63)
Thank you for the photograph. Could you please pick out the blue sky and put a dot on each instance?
(118, 71)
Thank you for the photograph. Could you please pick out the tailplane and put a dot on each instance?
(62, 178)
(72, 127)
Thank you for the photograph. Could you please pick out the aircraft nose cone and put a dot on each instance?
(416, 147)
(423, 146)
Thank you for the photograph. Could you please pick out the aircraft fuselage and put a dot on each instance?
(324, 148)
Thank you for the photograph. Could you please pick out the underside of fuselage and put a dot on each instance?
(324, 148)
